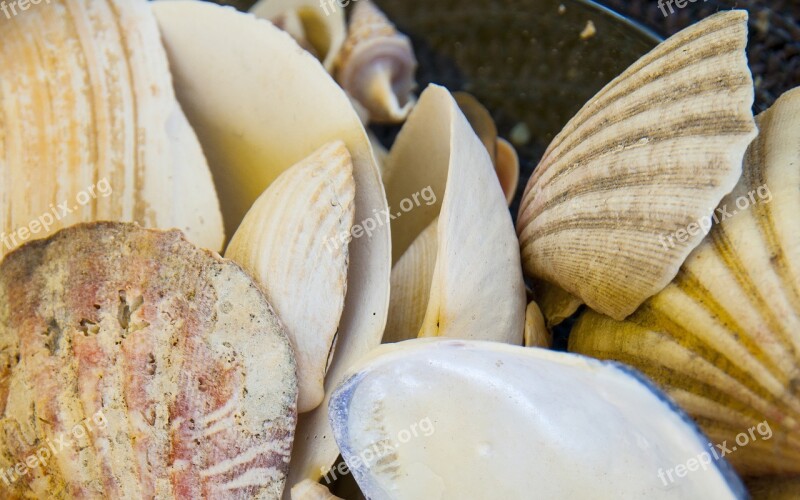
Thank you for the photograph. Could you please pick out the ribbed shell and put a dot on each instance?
(153, 368)
(724, 337)
(89, 121)
(295, 242)
(651, 153)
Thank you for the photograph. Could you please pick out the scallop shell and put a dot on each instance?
(304, 20)
(251, 135)
(651, 153)
(90, 128)
(376, 65)
(434, 418)
(476, 253)
(150, 368)
(536, 333)
(310, 207)
(723, 338)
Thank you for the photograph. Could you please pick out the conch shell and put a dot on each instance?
(322, 35)
(308, 207)
(376, 65)
(723, 338)
(651, 154)
(150, 368)
(252, 134)
(436, 418)
(90, 128)
(458, 253)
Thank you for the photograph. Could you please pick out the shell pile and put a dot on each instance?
(136, 364)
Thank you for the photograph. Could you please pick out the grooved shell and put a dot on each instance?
(252, 134)
(291, 241)
(456, 250)
(723, 338)
(651, 154)
(155, 369)
(90, 128)
(376, 65)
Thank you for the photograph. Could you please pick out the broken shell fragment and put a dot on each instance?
(555, 303)
(312, 490)
(162, 365)
(652, 153)
(573, 411)
(723, 338)
(377, 64)
(536, 333)
(290, 242)
(251, 136)
(476, 252)
(507, 168)
(322, 35)
(90, 129)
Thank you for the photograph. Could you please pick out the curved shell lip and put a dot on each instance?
(338, 407)
(384, 50)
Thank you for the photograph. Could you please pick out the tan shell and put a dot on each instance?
(294, 242)
(774, 488)
(318, 27)
(556, 304)
(90, 128)
(476, 253)
(155, 370)
(376, 65)
(650, 154)
(723, 338)
(312, 490)
(507, 168)
(536, 333)
(251, 136)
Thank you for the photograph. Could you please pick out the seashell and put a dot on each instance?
(476, 254)
(536, 333)
(722, 338)
(555, 303)
(251, 136)
(774, 488)
(153, 369)
(376, 65)
(321, 35)
(308, 207)
(411, 281)
(651, 153)
(598, 430)
(507, 168)
(310, 490)
(77, 113)
(504, 156)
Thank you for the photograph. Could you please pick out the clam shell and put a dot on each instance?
(376, 65)
(150, 368)
(323, 30)
(651, 153)
(476, 253)
(90, 128)
(252, 133)
(723, 337)
(310, 207)
(434, 418)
